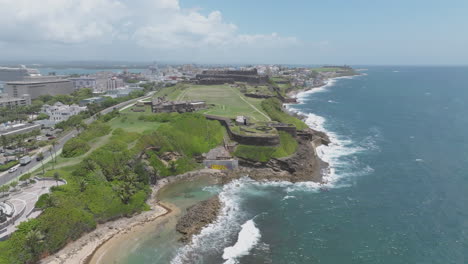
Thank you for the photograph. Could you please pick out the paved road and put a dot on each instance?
(6, 177)
(27, 198)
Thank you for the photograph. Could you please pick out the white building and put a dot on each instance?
(8, 101)
(37, 86)
(59, 112)
(84, 82)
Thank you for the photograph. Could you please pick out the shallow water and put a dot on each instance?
(139, 245)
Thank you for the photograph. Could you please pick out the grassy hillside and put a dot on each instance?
(288, 145)
(273, 107)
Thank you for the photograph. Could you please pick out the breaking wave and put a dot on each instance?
(249, 236)
(214, 237)
(339, 153)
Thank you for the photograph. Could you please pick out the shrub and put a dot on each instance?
(9, 165)
(42, 116)
(75, 147)
(25, 177)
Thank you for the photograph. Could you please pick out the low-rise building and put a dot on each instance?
(161, 106)
(8, 101)
(59, 112)
(84, 82)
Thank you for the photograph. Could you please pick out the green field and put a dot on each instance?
(128, 121)
(227, 101)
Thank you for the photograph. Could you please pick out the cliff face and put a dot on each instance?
(304, 165)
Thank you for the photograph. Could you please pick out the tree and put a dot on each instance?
(52, 155)
(172, 166)
(33, 240)
(4, 188)
(14, 184)
(83, 185)
(54, 143)
(40, 156)
(4, 141)
(56, 177)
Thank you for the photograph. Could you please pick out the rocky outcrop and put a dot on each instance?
(304, 165)
(197, 217)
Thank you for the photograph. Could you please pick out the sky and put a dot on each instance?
(355, 32)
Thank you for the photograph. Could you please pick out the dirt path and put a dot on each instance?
(251, 105)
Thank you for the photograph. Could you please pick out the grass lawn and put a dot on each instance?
(228, 101)
(128, 121)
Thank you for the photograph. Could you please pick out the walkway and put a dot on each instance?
(26, 199)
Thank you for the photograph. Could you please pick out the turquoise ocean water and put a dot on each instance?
(397, 190)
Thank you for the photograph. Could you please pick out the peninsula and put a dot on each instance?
(223, 122)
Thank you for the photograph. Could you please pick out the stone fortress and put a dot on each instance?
(213, 77)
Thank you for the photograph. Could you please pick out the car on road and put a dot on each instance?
(13, 169)
(50, 138)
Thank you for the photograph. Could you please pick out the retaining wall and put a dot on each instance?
(243, 139)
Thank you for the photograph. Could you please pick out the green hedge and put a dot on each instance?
(9, 165)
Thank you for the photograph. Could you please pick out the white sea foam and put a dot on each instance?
(248, 237)
(215, 235)
(288, 197)
(339, 148)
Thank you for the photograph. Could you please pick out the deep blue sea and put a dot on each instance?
(397, 191)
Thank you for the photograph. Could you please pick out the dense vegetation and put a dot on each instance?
(79, 145)
(109, 182)
(273, 107)
(188, 135)
(288, 146)
(75, 147)
(104, 186)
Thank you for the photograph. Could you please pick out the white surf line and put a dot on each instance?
(251, 105)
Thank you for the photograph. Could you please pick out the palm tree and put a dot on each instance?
(54, 143)
(56, 177)
(83, 185)
(4, 141)
(4, 188)
(52, 155)
(40, 156)
(33, 239)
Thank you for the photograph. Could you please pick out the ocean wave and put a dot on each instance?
(339, 153)
(248, 237)
(214, 237)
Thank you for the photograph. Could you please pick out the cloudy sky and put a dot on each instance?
(240, 31)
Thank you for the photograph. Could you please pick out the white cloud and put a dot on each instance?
(155, 25)
(67, 21)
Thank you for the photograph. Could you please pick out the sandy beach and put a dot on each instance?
(83, 250)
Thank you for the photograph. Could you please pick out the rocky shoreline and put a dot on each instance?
(304, 165)
(197, 217)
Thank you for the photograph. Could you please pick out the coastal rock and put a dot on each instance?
(197, 217)
(304, 165)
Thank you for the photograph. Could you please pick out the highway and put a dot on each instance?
(6, 176)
